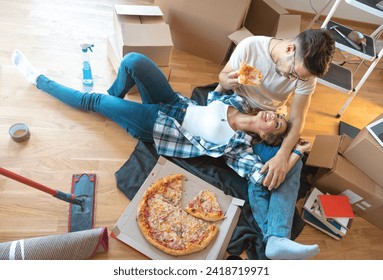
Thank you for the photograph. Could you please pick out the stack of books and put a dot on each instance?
(331, 214)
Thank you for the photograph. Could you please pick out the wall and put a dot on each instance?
(344, 11)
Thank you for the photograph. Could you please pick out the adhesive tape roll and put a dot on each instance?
(19, 132)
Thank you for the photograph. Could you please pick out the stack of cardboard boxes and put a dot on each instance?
(353, 167)
(198, 27)
(140, 28)
(202, 28)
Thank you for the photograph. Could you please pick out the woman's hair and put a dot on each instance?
(273, 140)
(315, 47)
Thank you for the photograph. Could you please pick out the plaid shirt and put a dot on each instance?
(173, 140)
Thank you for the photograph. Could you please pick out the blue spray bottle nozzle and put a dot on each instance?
(86, 46)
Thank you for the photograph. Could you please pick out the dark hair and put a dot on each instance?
(315, 47)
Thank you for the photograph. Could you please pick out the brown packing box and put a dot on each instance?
(141, 28)
(367, 154)
(115, 58)
(127, 231)
(201, 27)
(337, 175)
(269, 18)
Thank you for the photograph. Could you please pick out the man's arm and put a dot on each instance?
(278, 166)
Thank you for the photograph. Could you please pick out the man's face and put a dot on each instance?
(289, 67)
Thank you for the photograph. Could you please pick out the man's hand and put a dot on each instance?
(232, 79)
(277, 168)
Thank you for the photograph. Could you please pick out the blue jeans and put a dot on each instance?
(274, 210)
(136, 118)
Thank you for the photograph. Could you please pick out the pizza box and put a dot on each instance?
(127, 231)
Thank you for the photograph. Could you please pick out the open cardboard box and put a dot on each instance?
(201, 27)
(141, 28)
(269, 18)
(126, 228)
(367, 154)
(336, 175)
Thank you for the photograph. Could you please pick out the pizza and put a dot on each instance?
(249, 75)
(164, 223)
(205, 206)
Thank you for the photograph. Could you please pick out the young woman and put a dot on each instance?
(181, 128)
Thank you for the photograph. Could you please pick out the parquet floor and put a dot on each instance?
(65, 141)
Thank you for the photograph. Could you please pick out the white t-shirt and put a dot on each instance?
(275, 89)
(209, 122)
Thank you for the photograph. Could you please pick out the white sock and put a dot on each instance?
(281, 248)
(24, 66)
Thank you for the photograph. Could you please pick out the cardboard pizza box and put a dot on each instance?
(127, 231)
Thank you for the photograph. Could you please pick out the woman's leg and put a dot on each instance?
(138, 119)
(137, 69)
(280, 220)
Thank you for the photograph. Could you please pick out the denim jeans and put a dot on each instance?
(136, 118)
(274, 210)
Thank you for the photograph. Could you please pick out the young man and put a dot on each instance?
(288, 66)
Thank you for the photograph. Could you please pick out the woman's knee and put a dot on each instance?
(133, 59)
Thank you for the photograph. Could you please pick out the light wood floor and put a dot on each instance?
(65, 141)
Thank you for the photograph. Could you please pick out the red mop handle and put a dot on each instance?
(27, 181)
(68, 197)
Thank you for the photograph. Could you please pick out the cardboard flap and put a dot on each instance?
(138, 10)
(239, 35)
(324, 151)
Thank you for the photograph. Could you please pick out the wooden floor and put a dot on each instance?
(65, 141)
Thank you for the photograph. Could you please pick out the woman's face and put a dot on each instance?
(271, 125)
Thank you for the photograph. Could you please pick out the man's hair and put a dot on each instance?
(315, 47)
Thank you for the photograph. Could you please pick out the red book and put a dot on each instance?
(335, 206)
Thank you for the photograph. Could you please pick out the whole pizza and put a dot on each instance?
(167, 226)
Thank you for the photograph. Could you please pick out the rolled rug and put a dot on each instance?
(78, 245)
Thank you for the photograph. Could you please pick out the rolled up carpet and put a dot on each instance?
(79, 245)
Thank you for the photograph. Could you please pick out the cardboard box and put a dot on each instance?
(367, 154)
(269, 18)
(201, 27)
(115, 59)
(126, 228)
(141, 28)
(336, 175)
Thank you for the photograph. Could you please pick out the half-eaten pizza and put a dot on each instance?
(166, 225)
(249, 75)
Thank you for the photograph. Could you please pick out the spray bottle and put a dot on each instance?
(87, 78)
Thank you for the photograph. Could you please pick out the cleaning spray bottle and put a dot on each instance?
(87, 78)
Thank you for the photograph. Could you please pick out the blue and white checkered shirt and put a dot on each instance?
(173, 140)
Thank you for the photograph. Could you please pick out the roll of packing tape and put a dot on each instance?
(19, 132)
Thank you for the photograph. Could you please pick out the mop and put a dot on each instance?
(81, 198)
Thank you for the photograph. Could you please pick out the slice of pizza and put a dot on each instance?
(197, 234)
(249, 75)
(205, 206)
